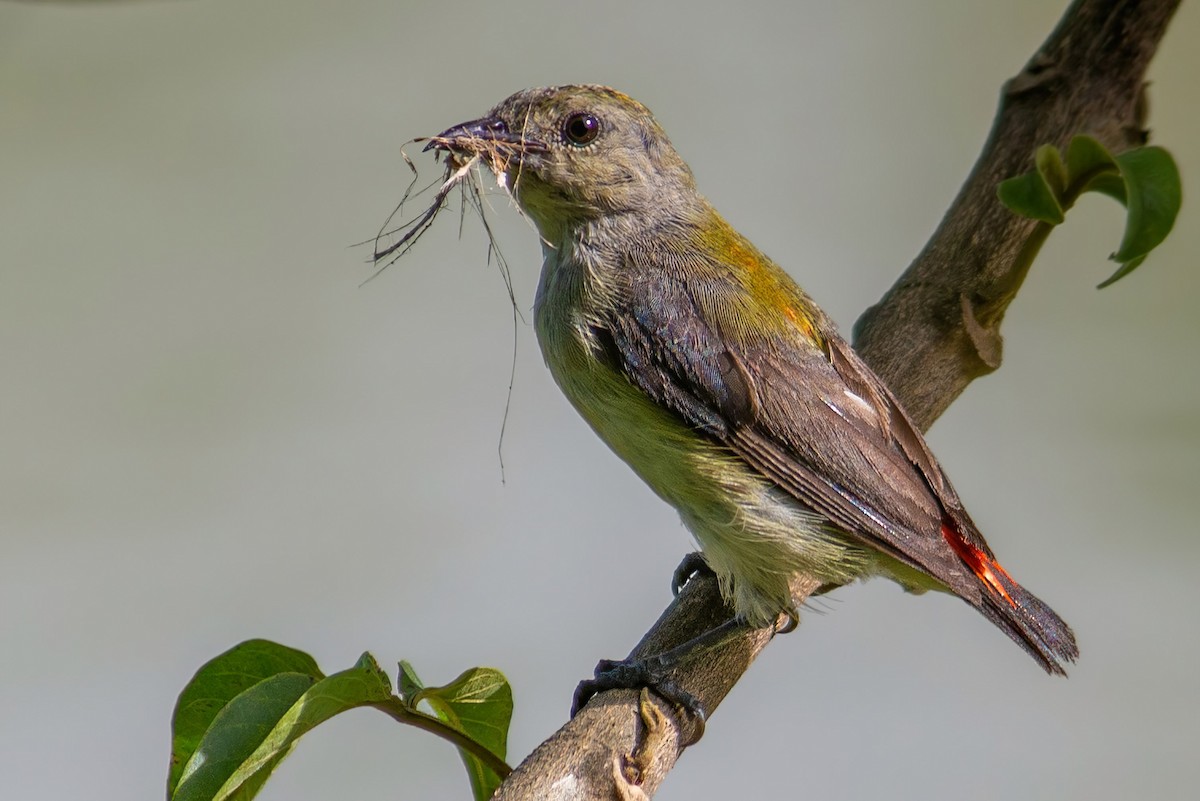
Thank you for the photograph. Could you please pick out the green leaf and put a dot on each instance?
(1032, 195)
(1050, 166)
(1154, 192)
(1087, 159)
(1109, 183)
(1124, 270)
(1145, 180)
(237, 730)
(257, 728)
(410, 685)
(479, 704)
(218, 682)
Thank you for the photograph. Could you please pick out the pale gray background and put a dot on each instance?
(210, 431)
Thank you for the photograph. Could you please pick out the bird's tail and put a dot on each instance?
(1017, 612)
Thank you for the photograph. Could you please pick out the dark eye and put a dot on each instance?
(580, 129)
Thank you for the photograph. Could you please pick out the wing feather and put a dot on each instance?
(817, 422)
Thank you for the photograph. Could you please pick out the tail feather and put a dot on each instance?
(1017, 612)
(1032, 625)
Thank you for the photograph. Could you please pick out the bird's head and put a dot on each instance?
(571, 154)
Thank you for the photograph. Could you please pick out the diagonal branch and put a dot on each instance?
(936, 330)
(938, 327)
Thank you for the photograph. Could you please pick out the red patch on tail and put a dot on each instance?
(980, 563)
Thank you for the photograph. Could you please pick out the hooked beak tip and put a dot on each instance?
(481, 134)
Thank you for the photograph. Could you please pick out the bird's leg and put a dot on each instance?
(654, 672)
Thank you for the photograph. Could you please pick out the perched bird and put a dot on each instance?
(717, 379)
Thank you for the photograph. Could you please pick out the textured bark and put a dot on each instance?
(936, 330)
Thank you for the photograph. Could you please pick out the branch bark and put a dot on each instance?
(935, 331)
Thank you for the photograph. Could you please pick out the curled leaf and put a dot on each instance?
(1154, 196)
(1031, 196)
(1145, 180)
(479, 704)
(1088, 160)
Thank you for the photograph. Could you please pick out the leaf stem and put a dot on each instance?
(396, 709)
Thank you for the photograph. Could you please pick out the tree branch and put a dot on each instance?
(938, 327)
(936, 330)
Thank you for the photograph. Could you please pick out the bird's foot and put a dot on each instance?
(653, 674)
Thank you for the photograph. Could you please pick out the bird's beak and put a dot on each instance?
(489, 134)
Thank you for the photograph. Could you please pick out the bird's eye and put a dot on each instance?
(580, 129)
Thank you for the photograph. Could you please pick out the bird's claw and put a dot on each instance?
(632, 674)
(694, 564)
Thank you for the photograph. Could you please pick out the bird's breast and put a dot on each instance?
(570, 316)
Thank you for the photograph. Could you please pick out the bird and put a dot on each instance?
(719, 381)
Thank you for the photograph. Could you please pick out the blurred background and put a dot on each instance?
(213, 430)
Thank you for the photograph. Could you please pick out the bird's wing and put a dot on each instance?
(815, 420)
(812, 417)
